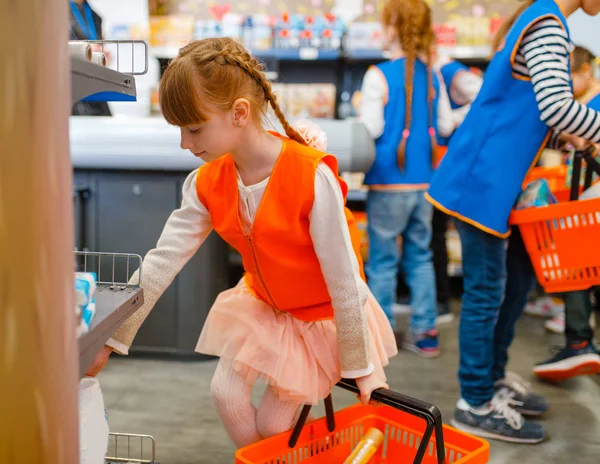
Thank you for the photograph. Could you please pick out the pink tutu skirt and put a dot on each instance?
(298, 359)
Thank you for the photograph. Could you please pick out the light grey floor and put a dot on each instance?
(170, 401)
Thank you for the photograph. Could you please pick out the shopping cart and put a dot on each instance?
(330, 440)
(130, 448)
(563, 239)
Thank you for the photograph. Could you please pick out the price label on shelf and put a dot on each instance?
(309, 53)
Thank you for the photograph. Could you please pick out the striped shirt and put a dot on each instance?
(543, 56)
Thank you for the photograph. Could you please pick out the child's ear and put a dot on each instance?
(240, 112)
(586, 68)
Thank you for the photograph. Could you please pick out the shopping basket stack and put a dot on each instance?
(407, 424)
(563, 239)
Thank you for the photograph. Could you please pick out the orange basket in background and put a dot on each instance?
(556, 176)
(563, 239)
(332, 439)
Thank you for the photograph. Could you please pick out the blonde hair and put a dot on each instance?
(507, 24)
(212, 74)
(412, 21)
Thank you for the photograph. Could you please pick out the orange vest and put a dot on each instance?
(278, 255)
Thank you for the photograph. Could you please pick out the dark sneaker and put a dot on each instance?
(574, 360)
(521, 396)
(444, 316)
(427, 345)
(498, 420)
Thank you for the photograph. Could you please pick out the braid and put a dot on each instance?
(431, 97)
(240, 57)
(214, 65)
(407, 33)
(412, 21)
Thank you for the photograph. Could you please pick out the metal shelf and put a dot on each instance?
(116, 298)
(113, 306)
(92, 82)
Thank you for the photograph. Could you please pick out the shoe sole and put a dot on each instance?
(425, 354)
(585, 364)
(445, 319)
(555, 330)
(494, 436)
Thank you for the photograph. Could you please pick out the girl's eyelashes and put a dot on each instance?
(194, 131)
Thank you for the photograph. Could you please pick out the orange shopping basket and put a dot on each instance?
(407, 424)
(562, 239)
(556, 176)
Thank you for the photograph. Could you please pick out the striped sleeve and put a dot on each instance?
(544, 55)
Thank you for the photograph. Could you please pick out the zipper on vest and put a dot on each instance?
(262, 281)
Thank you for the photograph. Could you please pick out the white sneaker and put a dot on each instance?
(545, 306)
(556, 324)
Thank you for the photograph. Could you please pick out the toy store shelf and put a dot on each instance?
(466, 52)
(164, 52)
(300, 54)
(113, 306)
(92, 82)
(457, 52)
(365, 55)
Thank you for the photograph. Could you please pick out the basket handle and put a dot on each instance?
(586, 155)
(428, 412)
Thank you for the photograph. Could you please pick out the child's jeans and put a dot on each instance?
(498, 277)
(392, 214)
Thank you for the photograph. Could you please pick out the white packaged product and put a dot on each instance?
(93, 426)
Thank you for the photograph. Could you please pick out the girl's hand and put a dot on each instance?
(99, 361)
(367, 384)
(576, 142)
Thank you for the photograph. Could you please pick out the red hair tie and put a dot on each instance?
(405, 133)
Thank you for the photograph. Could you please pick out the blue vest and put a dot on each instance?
(448, 71)
(594, 103)
(501, 138)
(417, 167)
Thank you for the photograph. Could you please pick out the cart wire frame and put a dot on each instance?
(83, 259)
(113, 447)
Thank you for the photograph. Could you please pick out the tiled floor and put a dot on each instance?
(170, 401)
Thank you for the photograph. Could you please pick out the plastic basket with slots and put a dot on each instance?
(408, 425)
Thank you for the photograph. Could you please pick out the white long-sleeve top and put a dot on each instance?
(373, 101)
(188, 227)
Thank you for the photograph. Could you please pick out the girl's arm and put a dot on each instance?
(445, 117)
(185, 230)
(374, 94)
(543, 56)
(465, 87)
(348, 291)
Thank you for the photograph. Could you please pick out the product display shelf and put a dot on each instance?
(459, 52)
(115, 299)
(95, 83)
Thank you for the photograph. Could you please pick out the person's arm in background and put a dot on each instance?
(445, 122)
(465, 87)
(544, 56)
(374, 95)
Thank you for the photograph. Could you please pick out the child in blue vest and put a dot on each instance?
(403, 107)
(463, 86)
(525, 94)
(579, 356)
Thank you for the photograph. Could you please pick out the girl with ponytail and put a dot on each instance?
(302, 317)
(404, 107)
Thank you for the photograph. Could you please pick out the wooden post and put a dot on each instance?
(38, 347)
